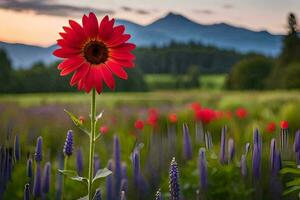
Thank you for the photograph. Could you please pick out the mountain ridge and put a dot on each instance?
(171, 27)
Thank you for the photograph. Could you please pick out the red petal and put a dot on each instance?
(64, 53)
(93, 25)
(121, 55)
(76, 27)
(102, 26)
(69, 62)
(71, 68)
(80, 73)
(117, 33)
(123, 63)
(124, 47)
(89, 83)
(119, 41)
(117, 70)
(98, 82)
(107, 77)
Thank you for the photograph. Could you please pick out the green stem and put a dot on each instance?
(92, 143)
(63, 178)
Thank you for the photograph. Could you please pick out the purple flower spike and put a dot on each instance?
(27, 192)
(123, 197)
(222, 157)
(29, 171)
(39, 150)
(109, 182)
(117, 163)
(68, 147)
(297, 141)
(97, 195)
(124, 185)
(136, 167)
(158, 195)
(174, 181)
(79, 162)
(203, 169)
(96, 163)
(17, 148)
(46, 178)
(37, 187)
(277, 164)
(231, 149)
(243, 165)
(124, 171)
(256, 162)
(187, 146)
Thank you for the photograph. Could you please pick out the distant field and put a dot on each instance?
(167, 81)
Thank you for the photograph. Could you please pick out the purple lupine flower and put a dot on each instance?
(39, 150)
(117, 163)
(174, 181)
(68, 147)
(297, 146)
(187, 145)
(136, 167)
(46, 178)
(97, 195)
(256, 137)
(203, 174)
(29, 171)
(277, 163)
(158, 195)
(26, 192)
(256, 161)
(96, 163)
(79, 162)
(243, 165)
(59, 177)
(231, 149)
(124, 171)
(17, 149)
(272, 154)
(37, 187)
(109, 182)
(222, 157)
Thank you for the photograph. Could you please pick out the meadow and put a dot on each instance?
(162, 137)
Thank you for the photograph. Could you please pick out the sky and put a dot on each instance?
(38, 22)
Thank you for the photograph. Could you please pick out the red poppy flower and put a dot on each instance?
(271, 127)
(152, 117)
(196, 106)
(206, 115)
(241, 113)
(94, 52)
(284, 124)
(139, 124)
(104, 129)
(173, 118)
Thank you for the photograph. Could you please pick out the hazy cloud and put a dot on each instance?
(204, 11)
(138, 11)
(46, 8)
(228, 6)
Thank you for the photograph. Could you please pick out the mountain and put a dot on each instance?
(172, 27)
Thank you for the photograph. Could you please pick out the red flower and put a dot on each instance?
(284, 124)
(152, 117)
(104, 129)
(81, 119)
(206, 115)
(173, 118)
(139, 124)
(94, 52)
(241, 113)
(196, 106)
(271, 127)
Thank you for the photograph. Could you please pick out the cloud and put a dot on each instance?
(204, 11)
(45, 8)
(228, 6)
(138, 11)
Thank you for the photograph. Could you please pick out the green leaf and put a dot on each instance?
(291, 190)
(77, 122)
(102, 173)
(73, 176)
(295, 182)
(84, 198)
(290, 171)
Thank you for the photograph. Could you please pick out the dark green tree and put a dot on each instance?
(193, 75)
(250, 73)
(5, 72)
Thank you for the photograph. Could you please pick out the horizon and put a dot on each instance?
(46, 17)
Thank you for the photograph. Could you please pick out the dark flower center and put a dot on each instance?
(95, 52)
